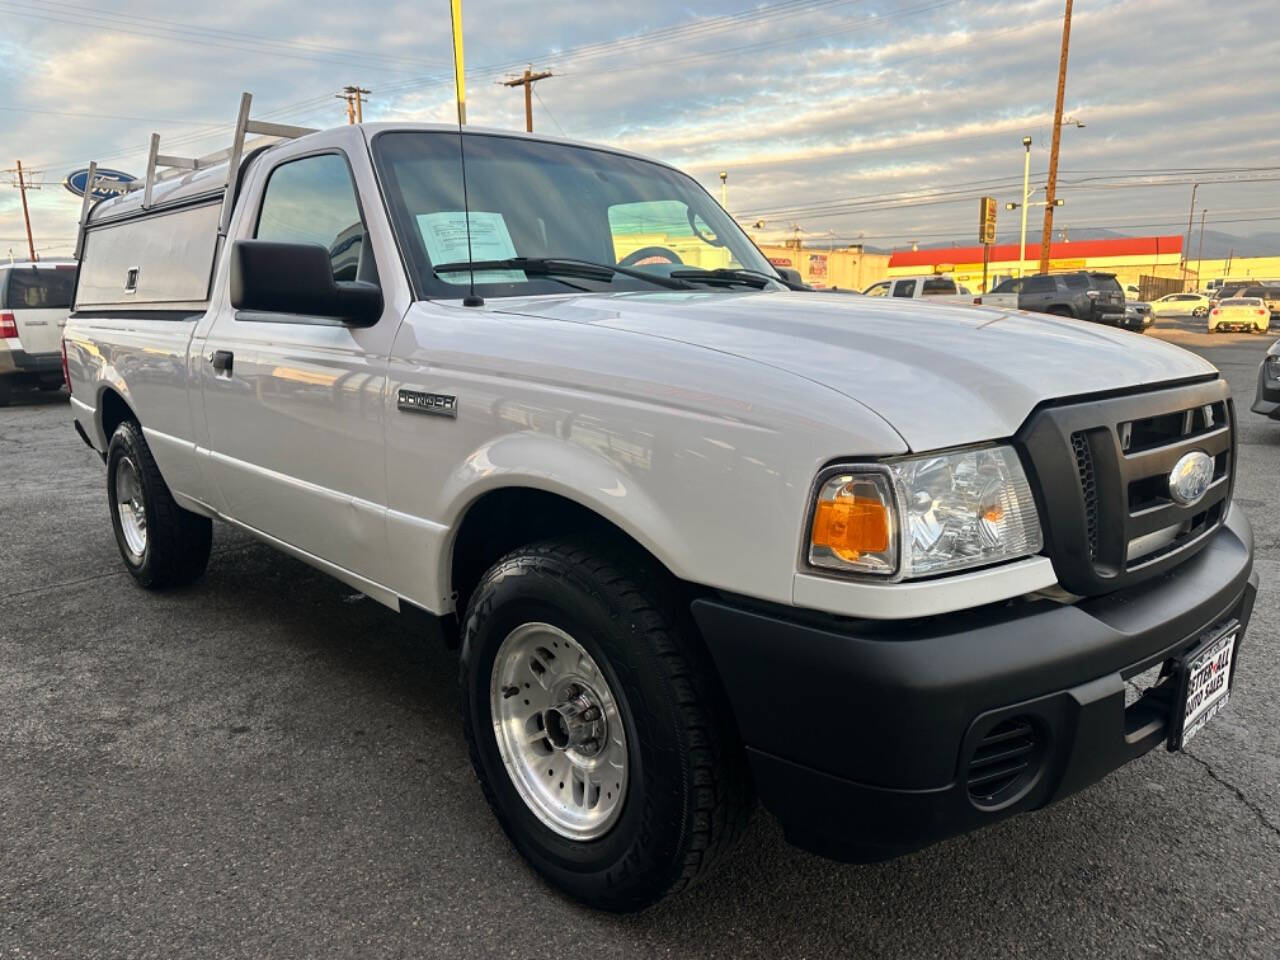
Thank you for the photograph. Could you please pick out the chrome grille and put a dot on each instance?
(1102, 469)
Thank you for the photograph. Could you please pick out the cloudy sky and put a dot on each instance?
(851, 119)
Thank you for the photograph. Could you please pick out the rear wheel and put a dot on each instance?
(5, 390)
(162, 544)
(596, 726)
(1060, 312)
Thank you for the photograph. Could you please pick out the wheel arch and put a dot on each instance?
(502, 518)
(113, 410)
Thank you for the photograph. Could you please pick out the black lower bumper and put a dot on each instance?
(19, 364)
(860, 733)
(1266, 400)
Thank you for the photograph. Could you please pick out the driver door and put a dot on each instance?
(294, 404)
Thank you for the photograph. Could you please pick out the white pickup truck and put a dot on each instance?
(703, 539)
(935, 288)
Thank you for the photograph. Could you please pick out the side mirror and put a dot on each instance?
(792, 277)
(298, 278)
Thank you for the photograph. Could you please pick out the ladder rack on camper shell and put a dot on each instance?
(176, 166)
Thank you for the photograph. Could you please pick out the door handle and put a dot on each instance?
(222, 360)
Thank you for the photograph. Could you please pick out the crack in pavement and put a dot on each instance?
(1253, 807)
(1240, 795)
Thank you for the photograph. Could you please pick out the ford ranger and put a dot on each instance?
(703, 540)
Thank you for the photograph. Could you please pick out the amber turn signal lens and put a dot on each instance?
(850, 526)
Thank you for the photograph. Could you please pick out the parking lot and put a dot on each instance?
(268, 764)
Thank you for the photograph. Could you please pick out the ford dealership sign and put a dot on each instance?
(117, 182)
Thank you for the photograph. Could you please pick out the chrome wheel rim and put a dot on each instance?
(129, 504)
(559, 731)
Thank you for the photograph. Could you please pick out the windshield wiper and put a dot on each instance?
(751, 278)
(557, 267)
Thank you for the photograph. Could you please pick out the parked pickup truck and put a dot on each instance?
(934, 288)
(703, 539)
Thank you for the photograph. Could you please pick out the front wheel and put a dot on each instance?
(162, 544)
(596, 726)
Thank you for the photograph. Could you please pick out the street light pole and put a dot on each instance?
(1026, 195)
(724, 189)
(1186, 250)
(1200, 251)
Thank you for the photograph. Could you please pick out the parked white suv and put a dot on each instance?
(35, 299)
(702, 538)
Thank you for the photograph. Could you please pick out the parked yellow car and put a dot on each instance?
(1181, 305)
(1249, 314)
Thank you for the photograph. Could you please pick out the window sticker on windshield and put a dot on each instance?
(445, 236)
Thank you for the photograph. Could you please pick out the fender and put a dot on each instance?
(422, 549)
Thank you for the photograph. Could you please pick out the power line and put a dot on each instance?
(136, 25)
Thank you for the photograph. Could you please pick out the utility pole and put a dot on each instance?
(1046, 236)
(1200, 251)
(527, 81)
(23, 187)
(1186, 249)
(354, 96)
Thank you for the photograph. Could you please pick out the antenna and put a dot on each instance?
(470, 300)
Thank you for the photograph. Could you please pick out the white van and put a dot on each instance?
(35, 299)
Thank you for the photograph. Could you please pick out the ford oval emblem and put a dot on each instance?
(1190, 477)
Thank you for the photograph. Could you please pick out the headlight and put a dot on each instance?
(925, 515)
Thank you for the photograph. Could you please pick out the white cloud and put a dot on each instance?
(834, 100)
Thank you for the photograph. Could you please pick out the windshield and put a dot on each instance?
(538, 200)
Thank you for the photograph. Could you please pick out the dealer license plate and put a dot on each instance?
(1206, 685)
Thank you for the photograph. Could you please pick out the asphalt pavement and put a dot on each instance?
(269, 765)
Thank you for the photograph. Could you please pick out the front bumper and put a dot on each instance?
(1266, 400)
(859, 733)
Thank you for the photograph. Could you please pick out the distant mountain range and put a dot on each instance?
(1217, 245)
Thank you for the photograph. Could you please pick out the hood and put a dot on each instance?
(941, 375)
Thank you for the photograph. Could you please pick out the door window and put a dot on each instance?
(905, 288)
(880, 289)
(939, 287)
(1038, 285)
(1012, 285)
(313, 200)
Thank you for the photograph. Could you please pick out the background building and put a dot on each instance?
(1130, 258)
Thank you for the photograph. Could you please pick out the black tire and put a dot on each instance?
(177, 541)
(1060, 312)
(6, 389)
(688, 794)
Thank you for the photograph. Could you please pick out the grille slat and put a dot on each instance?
(1001, 777)
(1004, 762)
